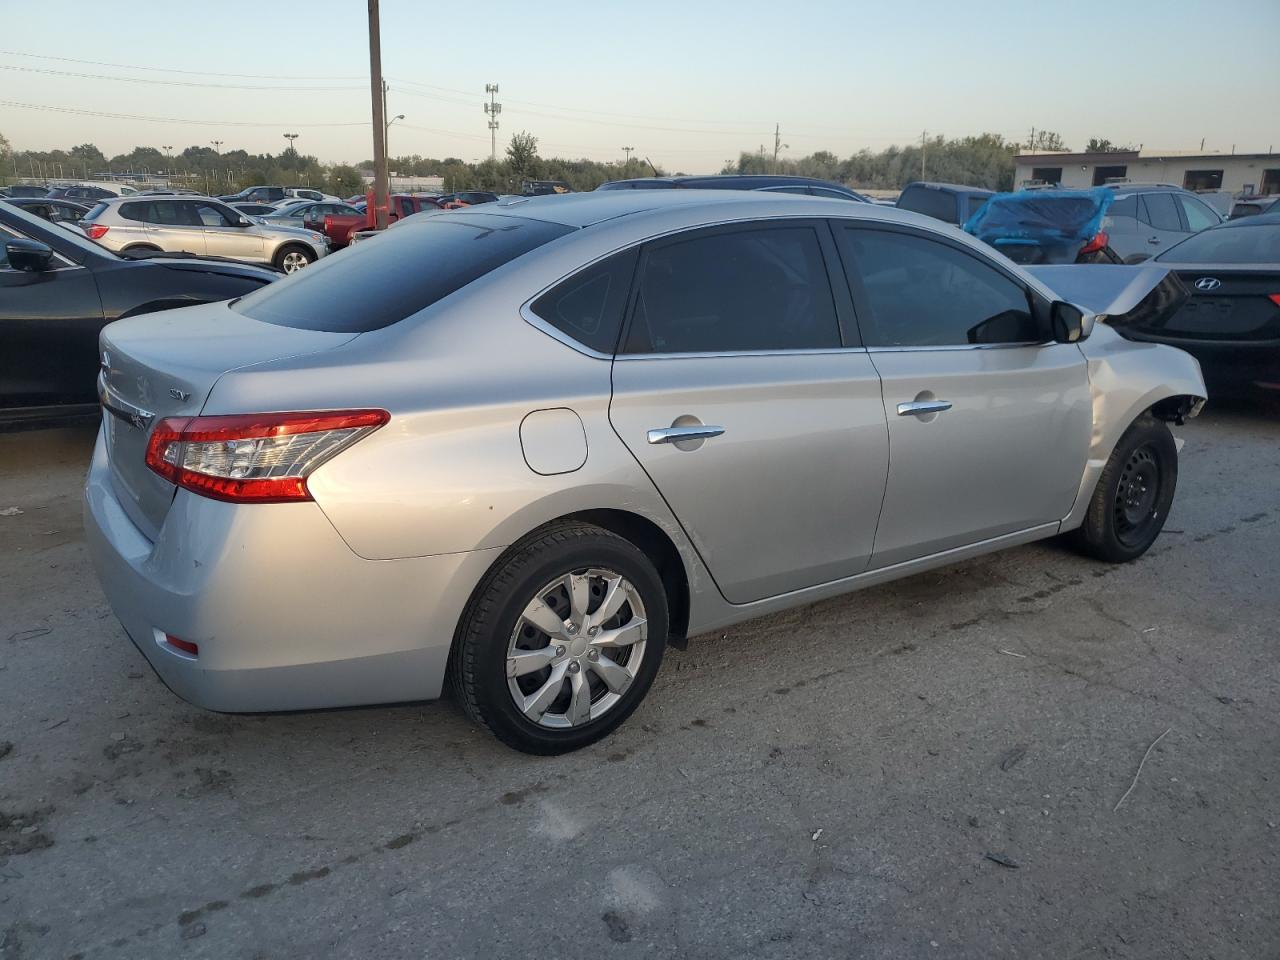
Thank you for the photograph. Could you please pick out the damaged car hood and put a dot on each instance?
(1121, 295)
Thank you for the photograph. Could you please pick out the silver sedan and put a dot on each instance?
(522, 448)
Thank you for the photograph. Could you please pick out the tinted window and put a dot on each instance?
(1124, 207)
(164, 212)
(1161, 212)
(828, 192)
(791, 189)
(976, 203)
(1253, 243)
(210, 216)
(920, 292)
(1198, 215)
(932, 203)
(757, 289)
(373, 285)
(590, 305)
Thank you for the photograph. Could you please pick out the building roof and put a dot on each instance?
(1128, 156)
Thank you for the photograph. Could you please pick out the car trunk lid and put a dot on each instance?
(164, 365)
(1227, 304)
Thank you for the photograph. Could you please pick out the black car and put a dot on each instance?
(55, 211)
(57, 291)
(949, 202)
(806, 186)
(81, 194)
(1231, 321)
(469, 197)
(256, 195)
(1252, 206)
(24, 190)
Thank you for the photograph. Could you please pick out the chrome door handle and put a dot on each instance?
(1155, 240)
(923, 406)
(702, 431)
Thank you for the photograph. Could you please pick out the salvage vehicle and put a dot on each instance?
(58, 290)
(1037, 226)
(951, 203)
(1230, 322)
(597, 425)
(201, 226)
(339, 227)
(55, 211)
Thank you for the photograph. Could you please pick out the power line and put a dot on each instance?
(205, 123)
(171, 83)
(194, 73)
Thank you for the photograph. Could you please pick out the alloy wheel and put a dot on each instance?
(294, 261)
(576, 648)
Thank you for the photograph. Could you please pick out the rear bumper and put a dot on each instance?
(1231, 368)
(286, 616)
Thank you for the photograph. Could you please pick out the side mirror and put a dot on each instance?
(1068, 323)
(244, 222)
(28, 255)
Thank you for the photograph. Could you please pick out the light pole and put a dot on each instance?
(386, 134)
(627, 151)
(217, 146)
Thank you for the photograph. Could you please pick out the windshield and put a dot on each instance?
(373, 285)
(1246, 243)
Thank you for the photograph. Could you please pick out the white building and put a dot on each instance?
(407, 184)
(1236, 173)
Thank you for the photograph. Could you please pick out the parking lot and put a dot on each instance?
(925, 769)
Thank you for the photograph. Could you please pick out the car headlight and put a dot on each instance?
(317, 237)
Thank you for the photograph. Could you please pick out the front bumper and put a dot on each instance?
(286, 616)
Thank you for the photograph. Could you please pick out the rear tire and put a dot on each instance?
(574, 675)
(293, 258)
(1133, 496)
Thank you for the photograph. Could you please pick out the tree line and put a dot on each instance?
(985, 160)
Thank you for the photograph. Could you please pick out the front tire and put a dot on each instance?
(293, 258)
(561, 640)
(1133, 496)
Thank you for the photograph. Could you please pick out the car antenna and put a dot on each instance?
(652, 167)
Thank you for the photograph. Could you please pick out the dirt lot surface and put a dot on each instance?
(926, 769)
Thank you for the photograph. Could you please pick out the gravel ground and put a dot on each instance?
(926, 769)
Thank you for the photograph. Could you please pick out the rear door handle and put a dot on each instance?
(702, 431)
(1155, 240)
(916, 407)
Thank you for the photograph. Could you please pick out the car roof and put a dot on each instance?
(761, 179)
(1145, 187)
(949, 187)
(592, 207)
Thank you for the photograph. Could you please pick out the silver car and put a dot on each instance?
(201, 226)
(594, 426)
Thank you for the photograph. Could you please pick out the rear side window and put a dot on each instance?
(763, 288)
(589, 306)
(1198, 214)
(1124, 207)
(932, 203)
(373, 285)
(923, 293)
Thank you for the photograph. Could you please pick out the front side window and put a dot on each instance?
(761, 288)
(211, 216)
(589, 306)
(1160, 211)
(923, 293)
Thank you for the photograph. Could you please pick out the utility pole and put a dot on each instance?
(492, 109)
(778, 144)
(924, 134)
(627, 151)
(379, 123)
(1031, 140)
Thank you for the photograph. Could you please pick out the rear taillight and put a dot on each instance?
(1274, 298)
(254, 457)
(1100, 240)
(97, 231)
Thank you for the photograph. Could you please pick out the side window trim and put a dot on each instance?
(862, 306)
(839, 292)
(551, 330)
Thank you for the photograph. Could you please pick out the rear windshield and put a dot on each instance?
(96, 212)
(375, 284)
(1251, 243)
(932, 203)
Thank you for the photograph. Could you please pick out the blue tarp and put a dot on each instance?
(1062, 220)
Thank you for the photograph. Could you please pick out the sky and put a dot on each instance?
(688, 84)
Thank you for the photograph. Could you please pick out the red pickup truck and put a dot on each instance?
(339, 227)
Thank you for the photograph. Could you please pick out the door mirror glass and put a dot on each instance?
(243, 222)
(1070, 324)
(24, 254)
